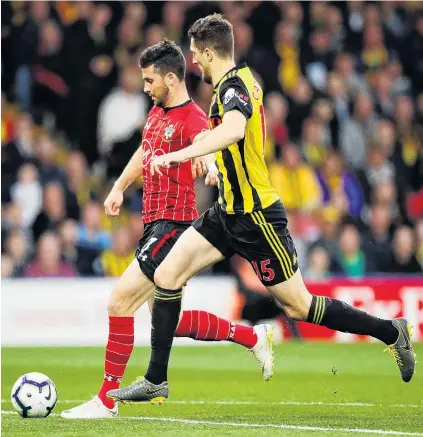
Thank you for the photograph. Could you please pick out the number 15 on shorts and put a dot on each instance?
(263, 272)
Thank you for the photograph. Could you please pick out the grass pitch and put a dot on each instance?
(318, 389)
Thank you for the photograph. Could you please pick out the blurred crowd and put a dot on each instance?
(344, 112)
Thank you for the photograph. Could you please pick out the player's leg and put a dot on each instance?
(132, 290)
(277, 267)
(129, 294)
(190, 254)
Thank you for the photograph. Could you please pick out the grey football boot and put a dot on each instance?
(141, 391)
(402, 350)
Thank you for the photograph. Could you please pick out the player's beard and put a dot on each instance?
(206, 75)
(162, 98)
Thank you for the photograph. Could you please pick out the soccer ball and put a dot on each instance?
(34, 395)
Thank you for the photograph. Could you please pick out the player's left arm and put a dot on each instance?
(237, 110)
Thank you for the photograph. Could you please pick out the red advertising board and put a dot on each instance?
(381, 297)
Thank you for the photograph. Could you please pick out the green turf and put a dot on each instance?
(319, 372)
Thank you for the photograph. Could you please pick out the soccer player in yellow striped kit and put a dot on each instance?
(249, 219)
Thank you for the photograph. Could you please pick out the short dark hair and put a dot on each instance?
(166, 56)
(214, 32)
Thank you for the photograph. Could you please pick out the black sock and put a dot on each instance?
(340, 316)
(164, 320)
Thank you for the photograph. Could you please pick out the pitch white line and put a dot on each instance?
(299, 403)
(260, 425)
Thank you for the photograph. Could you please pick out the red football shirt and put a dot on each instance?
(170, 196)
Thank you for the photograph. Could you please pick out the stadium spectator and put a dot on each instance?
(351, 261)
(299, 101)
(275, 110)
(45, 153)
(68, 233)
(411, 50)
(329, 219)
(287, 48)
(53, 213)
(27, 193)
(136, 226)
(136, 12)
(383, 94)
(295, 182)
(377, 169)
(403, 258)
(243, 36)
(318, 264)
(322, 111)
(340, 187)
(408, 156)
(312, 146)
(50, 88)
(129, 40)
(80, 184)
(385, 194)
(377, 239)
(90, 234)
(385, 137)
(48, 263)
(20, 150)
(356, 131)
(374, 53)
(19, 252)
(344, 65)
(92, 75)
(335, 27)
(173, 20)
(337, 91)
(316, 61)
(120, 116)
(114, 261)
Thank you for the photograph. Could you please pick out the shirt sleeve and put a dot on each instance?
(234, 95)
(196, 126)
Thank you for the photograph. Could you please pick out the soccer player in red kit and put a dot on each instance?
(169, 208)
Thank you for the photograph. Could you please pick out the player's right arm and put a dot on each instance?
(132, 171)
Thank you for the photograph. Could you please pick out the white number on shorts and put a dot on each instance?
(141, 255)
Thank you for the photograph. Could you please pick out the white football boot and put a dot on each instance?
(93, 409)
(263, 350)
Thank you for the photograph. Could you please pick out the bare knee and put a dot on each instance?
(121, 304)
(165, 277)
(296, 311)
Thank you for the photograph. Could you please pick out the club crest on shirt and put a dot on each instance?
(169, 131)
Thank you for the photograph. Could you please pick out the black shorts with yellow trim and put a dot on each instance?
(261, 237)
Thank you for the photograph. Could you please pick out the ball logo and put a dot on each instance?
(228, 96)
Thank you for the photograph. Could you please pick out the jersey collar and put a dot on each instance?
(237, 67)
(178, 106)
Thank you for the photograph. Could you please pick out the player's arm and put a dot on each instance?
(237, 109)
(229, 132)
(131, 172)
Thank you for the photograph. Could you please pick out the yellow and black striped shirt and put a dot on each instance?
(244, 184)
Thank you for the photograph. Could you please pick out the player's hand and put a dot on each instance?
(211, 178)
(165, 161)
(199, 167)
(113, 202)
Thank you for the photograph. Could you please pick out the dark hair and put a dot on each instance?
(166, 56)
(215, 33)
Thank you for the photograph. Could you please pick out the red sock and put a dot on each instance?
(118, 350)
(201, 325)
